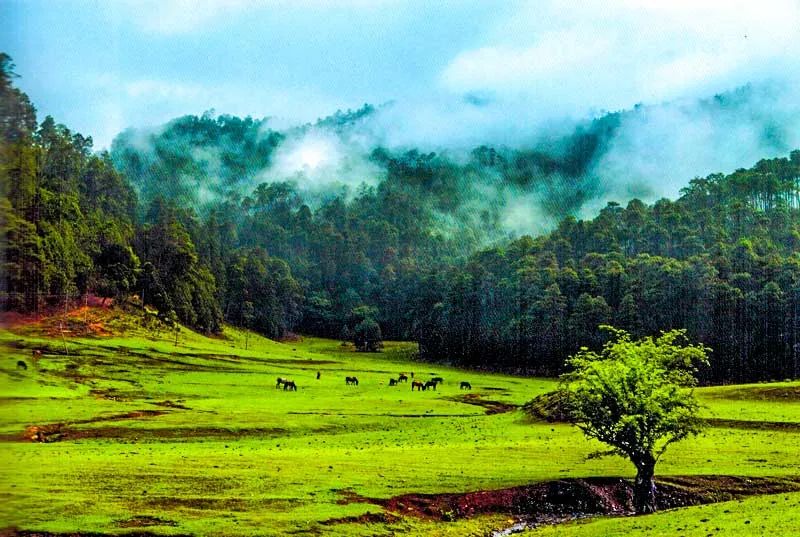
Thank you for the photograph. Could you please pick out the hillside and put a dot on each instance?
(202, 221)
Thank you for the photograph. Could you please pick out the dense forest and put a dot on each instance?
(185, 219)
(721, 261)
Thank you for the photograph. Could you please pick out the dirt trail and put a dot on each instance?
(54, 432)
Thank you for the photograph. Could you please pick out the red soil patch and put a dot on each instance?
(589, 496)
(76, 309)
(80, 322)
(568, 499)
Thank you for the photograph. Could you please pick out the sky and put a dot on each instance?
(459, 72)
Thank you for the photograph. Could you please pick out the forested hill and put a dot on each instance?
(224, 219)
(722, 261)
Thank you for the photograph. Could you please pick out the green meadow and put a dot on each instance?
(146, 435)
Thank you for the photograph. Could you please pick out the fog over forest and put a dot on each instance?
(564, 167)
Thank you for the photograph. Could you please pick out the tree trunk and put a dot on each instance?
(644, 488)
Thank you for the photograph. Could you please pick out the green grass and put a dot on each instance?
(244, 458)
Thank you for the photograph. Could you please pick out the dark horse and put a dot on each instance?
(465, 385)
(280, 382)
(22, 365)
(418, 385)
(392, 382)
(429, 384)
(437, 380)
(289, 385)
(402, 378)
(351, 380)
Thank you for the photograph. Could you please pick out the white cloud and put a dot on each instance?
(170, 17)
(571, 57)
(318, 160)
(176, 17)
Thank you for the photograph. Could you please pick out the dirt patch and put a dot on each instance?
(144, 522)
(568, 499)
(264, 361)
(14, 532)
(366, 518)
(766, 393)
(754, 425)
(43, 433)
(237, 505)
(171, 404)
(716, 488)
(595, 496)
(54, 432)
(168, 433)
(27, 533)
(109, 394)
(492, 407)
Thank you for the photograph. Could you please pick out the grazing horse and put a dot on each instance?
(22, 365)
(318, 375)
(289, 385)
(281, 381)
(429, 384)
(465, 385)
(402, 378)
(392, 382)
(418, 385)
(351, 380)
(437, 380)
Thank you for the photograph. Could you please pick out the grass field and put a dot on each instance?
(193, 438)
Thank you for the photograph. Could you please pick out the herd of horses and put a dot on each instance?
(290, 385)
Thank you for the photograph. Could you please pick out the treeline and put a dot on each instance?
(66, 214)
(722, 261)
(71, 225)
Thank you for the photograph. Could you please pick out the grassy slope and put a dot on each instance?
(248, 459)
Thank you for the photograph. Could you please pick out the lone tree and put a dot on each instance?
(636, 397)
